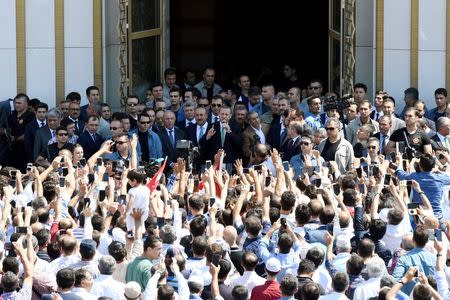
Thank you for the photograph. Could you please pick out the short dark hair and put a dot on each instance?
(42, 236)
(420, 236)
(65, 278)
(80, 275)
(91, 88)
(440, 91)
(366, 248)
(117, 251)
(254, 91)
(170, 71)
(340, 282)
(41, 105)
(377, 229)
(302, 214)
(306, 267)
(310, 291)
(427, 162)
(316, 255)
(135, 175)
(239, 292)
(253, 225)
(151, 241)
(285, 243)
(289, 285)
(198, 225)
(199, 245)
(249, 261)
(355, 264)
(10, 282)
(350, 197)
(73, 96)
(395, 216)
(288, 200)
(165, 292)
(413, 92)
(360, 85)
(10, 264)
(327, 214)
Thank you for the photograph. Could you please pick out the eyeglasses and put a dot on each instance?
(148, 122)
(202, 105)
(63, 134)
(132, 104)
(305, 143)
(114, 128)
(371, 147)
(216, 105)
(120, 142)
(330, 128)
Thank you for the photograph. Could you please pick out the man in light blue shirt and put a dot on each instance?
(312, 118)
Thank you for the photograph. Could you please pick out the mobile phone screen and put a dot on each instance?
(387, 179)
(438, 234)
(286, 165)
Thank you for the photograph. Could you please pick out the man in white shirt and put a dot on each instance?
(83, 284)
(370, 288)
(249, 279)
(68, 257)
(340, 285)
(104, 285)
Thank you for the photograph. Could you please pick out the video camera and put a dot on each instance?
(333, 102)
(186, 150)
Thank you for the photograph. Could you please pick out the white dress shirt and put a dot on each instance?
(260, 133)
(186, 122)
(334, 296)
(63, 262)
(80, 292)
(249, 279)
(368, 289)
(106, 286)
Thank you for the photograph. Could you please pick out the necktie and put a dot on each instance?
(202, 132)
(76, 125)
(172, 138)
(53, 133)
(189, 123)
(42, 123)
(93, 137)
(377, 115)
(282, 135)
(222, 135)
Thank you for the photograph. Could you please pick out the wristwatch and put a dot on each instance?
(421, 192)
(109, 214)
(401, 282)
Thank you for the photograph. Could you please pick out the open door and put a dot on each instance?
(341, 46)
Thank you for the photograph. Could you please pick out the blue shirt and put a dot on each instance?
(431, 184)
(297, 163)
(424, 260)
(154, 145)
(313, 121)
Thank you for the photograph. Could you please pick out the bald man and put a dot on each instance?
(230, 236)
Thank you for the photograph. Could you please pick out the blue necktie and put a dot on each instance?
(172, 138)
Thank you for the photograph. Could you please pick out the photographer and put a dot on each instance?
(417, 139)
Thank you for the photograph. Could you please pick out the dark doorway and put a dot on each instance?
(248, 36)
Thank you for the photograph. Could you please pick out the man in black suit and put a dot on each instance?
(196, 131)
(292, 146)
(189, 116)
(440, 141)
(90, 140)
(92, 108)
(32, 127)
(74, 116)
(222, 136)
(44, 134)
(277, 135)
(169, 135)
(6, 107)
(385, 131)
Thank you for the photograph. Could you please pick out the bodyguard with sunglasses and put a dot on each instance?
(62, 138)
(149, 143)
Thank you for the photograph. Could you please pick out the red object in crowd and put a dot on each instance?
(155, 179)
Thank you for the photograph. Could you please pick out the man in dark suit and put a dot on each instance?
(292, 146)
(169, 135)
(277, 135)
(189, 116)
(254, 134)
(223, 136)
(32, 127)
(74, 116)
(92, 108)
(44, 134)
(196, 131)
(384, 134)
(90, 140)
(6, 107)
(440, 141)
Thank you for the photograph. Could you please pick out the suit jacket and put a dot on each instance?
(30, 133)
(88, 144)
(273, 136)
(167, 148)
(249, 140)
(372, 115)
(43, 135)
(436, 143)
(83, 113)
(378, 136)
(191, 133)
(182, 125)
(290, 150)
(5, 111)
(232, 145)
(81, 124)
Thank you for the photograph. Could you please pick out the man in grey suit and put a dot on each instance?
(440, 141)
(44, 134)
(6, 107)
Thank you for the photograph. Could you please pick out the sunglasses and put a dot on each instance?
(132, 104)
(114, 128)
(63, 134)
(216, 105)
(371, 147)
(148, 122)
(305, 143)
(120, 142)
(330, 128)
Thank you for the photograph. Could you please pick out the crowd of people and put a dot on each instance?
(254, 192)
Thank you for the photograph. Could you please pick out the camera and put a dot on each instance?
(333, 102)
(186, 150)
